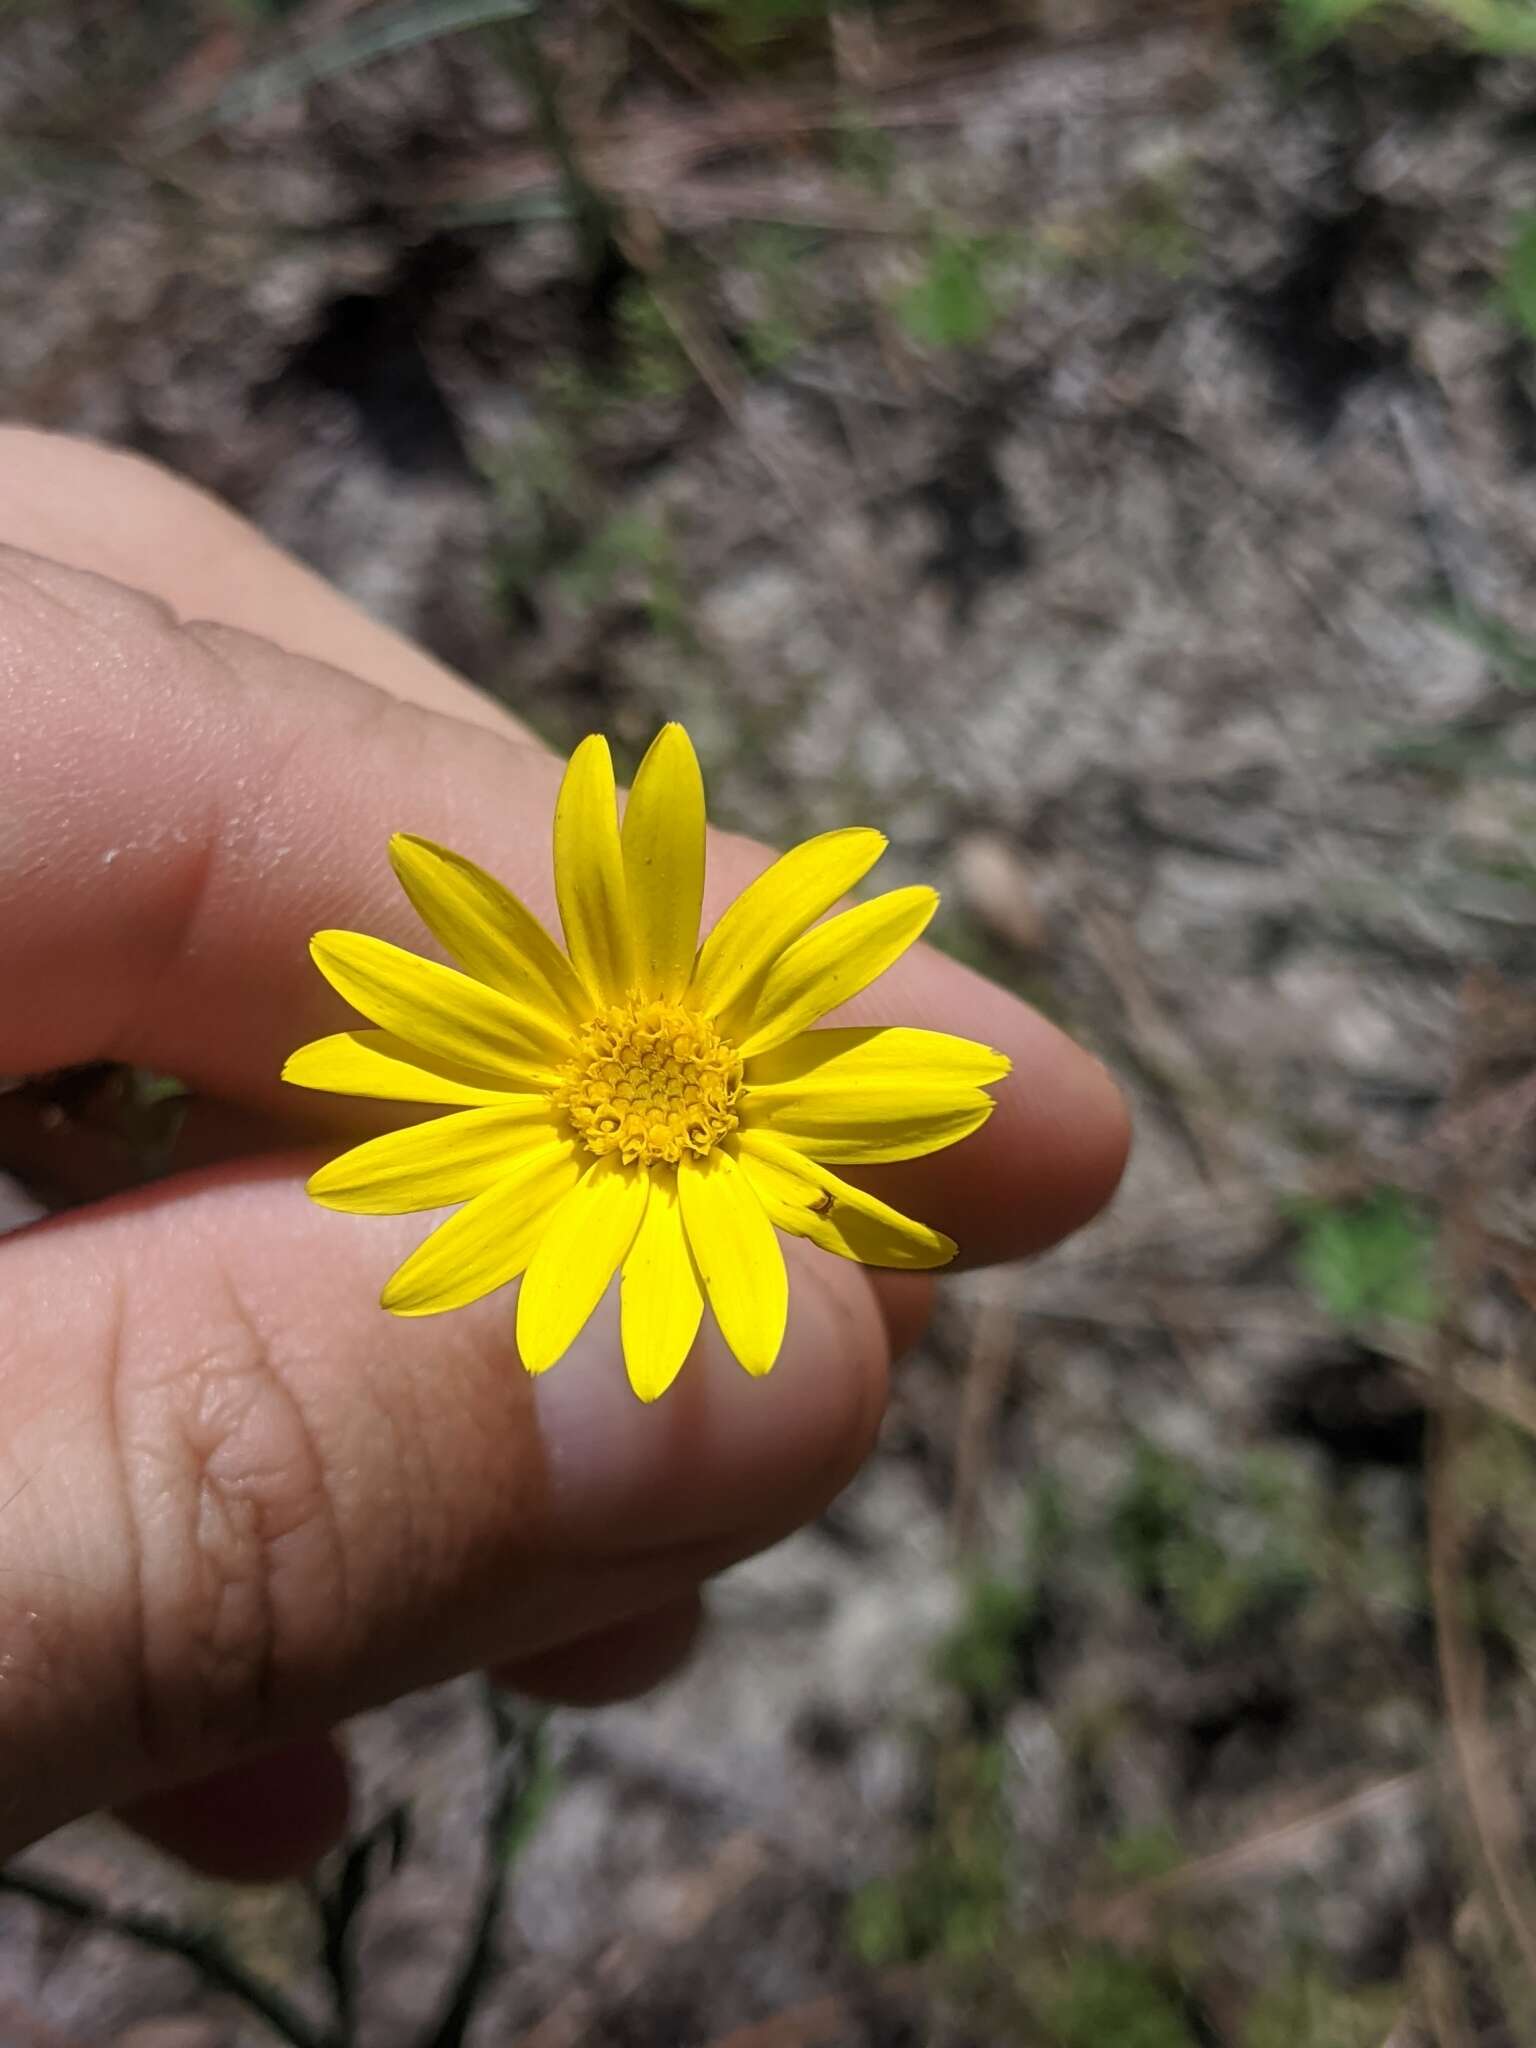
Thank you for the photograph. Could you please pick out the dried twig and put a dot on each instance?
(1157, 1046)
(820, 2023)
(987, 1368)
(1123, 1915)
(645, 161)
(1492, 1808)
(664, 38)
(1438, 1992)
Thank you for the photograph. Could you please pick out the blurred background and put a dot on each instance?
(1096, 442)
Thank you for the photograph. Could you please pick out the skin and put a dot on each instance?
(240, 1501)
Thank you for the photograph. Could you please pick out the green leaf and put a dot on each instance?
(1519, 293)
(1510, 652)
(1107, 2000)
(1499, 27)
(954, 305)
(1144, 1852)
(1363, 1260)
(1310, 24)
(1218, 1553)
(980, 1657)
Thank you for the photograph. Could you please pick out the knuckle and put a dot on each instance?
(235, 1547)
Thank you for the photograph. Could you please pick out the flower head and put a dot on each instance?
(639, 1104)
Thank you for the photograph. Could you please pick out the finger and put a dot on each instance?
(120, 516)
(183, 809)
(253, 1505)
(906, 1303)
(615, 1664)
(275, 1816)
(1052, 1152)
(80, 1136)
(269, 1818)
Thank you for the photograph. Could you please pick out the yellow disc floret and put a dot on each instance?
(652, 1082)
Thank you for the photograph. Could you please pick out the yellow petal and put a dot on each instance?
(871, 1126)
(772, 911)
(449, 1016)
(584, 1246)
(885, 1055)
(808, 1201)
(660, 1300)
(589, 873)
(738, 1257)
(429, 1166)
(833, 962)
(378, 1064)
(485, 928)
(490, 1240)
(663, 843)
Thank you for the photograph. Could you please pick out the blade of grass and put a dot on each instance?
(1492, 1809)
(339, 1906)
(1489, 1799)
(520, 1781)
(589, 210)
(211, 1961)
(349, 49)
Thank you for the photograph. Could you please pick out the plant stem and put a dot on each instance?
(205, 1955)
(590, 212)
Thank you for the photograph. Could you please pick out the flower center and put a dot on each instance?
(651, 1082)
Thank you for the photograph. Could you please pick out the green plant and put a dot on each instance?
(1216, 1552)
(744, 30)
(653, 362)
(649, 362)
(514, 39)
(1509, 652)
(1518, 292)
(980, 1658)
(1308, 2010)
(1368, 1259)
(950, 1902)
(1146, 228)
(261, 10)
(1142, 1853)
(1103, 1997)
(630, 549)
(864, 151)
(1153, 230)
(519, 1781)
(1311, 23)
(1499, 27)
(773, 258)
(958, 300)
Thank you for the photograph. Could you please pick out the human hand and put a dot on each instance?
(240, 1501)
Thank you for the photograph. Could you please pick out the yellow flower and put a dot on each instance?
(641, 1104)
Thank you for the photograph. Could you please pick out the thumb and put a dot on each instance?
(250, 1504)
